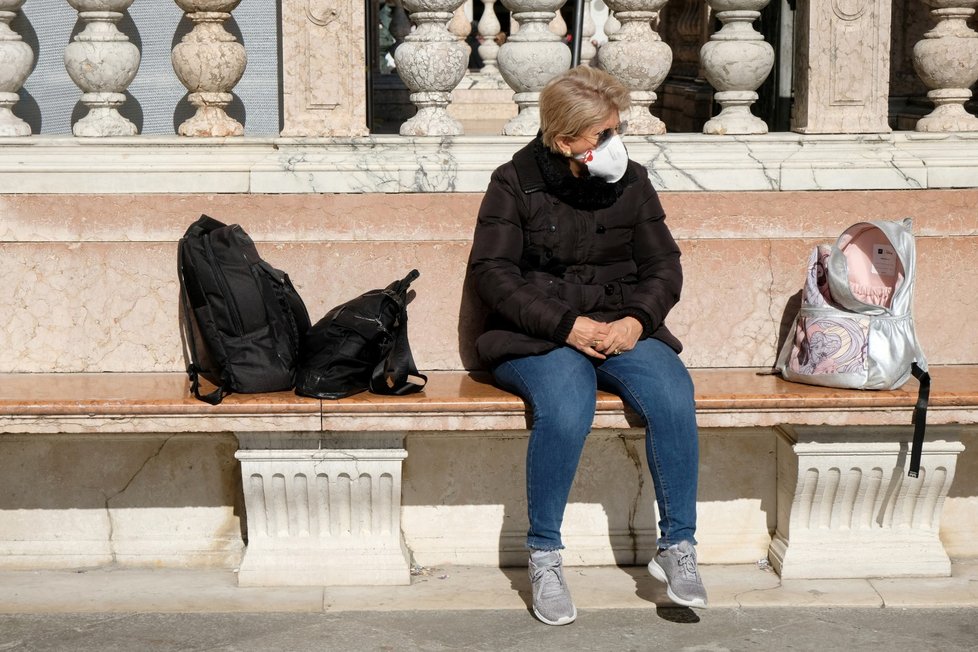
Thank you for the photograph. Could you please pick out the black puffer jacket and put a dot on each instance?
(545, 253)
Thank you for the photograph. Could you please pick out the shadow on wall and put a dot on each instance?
(88, 474)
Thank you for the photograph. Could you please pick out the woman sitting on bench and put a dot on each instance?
(572, 255)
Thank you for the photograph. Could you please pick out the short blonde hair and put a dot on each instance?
(578, 99)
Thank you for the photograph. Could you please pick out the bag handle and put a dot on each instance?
(392, 375)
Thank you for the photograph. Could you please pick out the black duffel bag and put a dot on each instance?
(361, 345)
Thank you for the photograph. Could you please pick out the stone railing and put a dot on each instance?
(324, 79)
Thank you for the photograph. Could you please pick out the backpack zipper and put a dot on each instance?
(225, 289)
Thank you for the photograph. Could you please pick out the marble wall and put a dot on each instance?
(92, 284)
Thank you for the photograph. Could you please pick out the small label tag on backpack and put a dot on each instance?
(884, 260)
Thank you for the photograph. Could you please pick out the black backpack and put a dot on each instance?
(360, 345)
(243, 319)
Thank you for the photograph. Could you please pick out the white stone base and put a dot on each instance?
(846, 508)
(323, 517)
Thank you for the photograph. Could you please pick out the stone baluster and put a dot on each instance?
(558, 25)
(460, 25)
(431, 62)
(639, 59)
(529, 59)
(736, 61)
(16, 59)
(102, 62)
(209, 62)
(489, 29)
(588, 51)
(612, 25)
(946, 59)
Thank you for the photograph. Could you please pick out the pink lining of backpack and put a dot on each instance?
(875, 270)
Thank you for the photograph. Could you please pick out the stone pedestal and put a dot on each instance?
(846, 508)
(324, 83)
(322, 516)
(842, 67)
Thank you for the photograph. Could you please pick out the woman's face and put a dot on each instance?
(590, 138)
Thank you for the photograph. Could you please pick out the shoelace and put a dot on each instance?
(539, 572)
(687, 564)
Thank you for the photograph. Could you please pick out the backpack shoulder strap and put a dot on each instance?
(187, 335)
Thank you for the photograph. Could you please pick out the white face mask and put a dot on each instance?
(608, 161)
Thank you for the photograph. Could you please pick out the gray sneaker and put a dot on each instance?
(551, 600)
(676, 566)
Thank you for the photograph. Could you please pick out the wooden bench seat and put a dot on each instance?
(464, 400)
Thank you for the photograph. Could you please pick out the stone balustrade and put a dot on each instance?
(841, 70)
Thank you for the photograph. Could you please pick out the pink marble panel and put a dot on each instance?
(267, 218)
(92, 287)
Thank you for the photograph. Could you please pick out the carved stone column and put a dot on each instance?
(209, 62)
(16, 59)
(489, 29)
(842, 66)
(324, 78)
(736, 61)
(637, 56)
(102, 63)
(588, 51)
(947, 61)
(529, 59)
(431, 62)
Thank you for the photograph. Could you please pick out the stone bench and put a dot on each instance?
(132, 471)
(323, 480)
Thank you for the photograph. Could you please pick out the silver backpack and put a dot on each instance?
(855, 327)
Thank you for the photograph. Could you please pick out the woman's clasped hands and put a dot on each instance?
(600, 339)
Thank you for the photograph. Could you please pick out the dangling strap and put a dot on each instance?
(919, 418)
(391, 375)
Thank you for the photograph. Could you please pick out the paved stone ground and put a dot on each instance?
(714, 630)
(468, 608)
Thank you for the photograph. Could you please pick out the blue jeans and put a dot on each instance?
(560, 387)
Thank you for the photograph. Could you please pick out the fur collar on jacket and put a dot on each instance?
(541, 169)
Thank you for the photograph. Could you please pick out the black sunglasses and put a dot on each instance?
(605, 134)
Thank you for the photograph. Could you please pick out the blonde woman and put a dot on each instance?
(573, 257)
